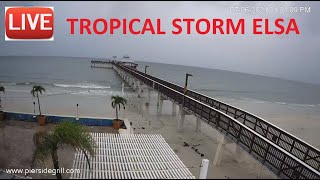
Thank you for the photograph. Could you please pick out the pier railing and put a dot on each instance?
(264, 141)
(295, 146)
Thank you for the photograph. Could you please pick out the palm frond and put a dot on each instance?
(74, 135)
(113, 104)
(65, 134)
(44, 144)
(124, 105)
(37, 89)
(118, 100)
(2, 89)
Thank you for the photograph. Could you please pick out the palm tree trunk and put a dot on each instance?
(117, 111)
(56, 164)
(39, 104)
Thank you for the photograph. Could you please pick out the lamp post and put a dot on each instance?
(186, 83)
(77, 112)
(185, 88)
(145, 69)
(34, 109)
(145, 72)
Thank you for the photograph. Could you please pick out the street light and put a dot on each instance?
(77, 112)
(185, 87)
(145, 69)
(145, 72)
(34, 109)
(186, 83)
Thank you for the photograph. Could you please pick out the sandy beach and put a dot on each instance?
(203, 143)
(301, 121)
(145, 120)
(91, 106)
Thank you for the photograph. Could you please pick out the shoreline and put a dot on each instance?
(302, 122)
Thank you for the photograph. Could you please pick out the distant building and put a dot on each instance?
(127, 61)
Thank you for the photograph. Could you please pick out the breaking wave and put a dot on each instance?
(84, 86)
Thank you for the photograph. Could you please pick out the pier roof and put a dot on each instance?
(126, 59)
(131, 156)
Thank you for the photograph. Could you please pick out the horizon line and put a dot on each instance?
(261, 75)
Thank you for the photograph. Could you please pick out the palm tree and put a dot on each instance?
(35, 92)
(65, 134)
(2, 89)
(117, 101)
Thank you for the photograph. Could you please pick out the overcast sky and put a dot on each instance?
(293, 57)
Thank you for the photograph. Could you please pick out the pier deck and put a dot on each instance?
(284, 154)
(281, 152)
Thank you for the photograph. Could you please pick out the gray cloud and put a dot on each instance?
(287, 56)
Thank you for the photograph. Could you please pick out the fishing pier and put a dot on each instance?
(284, 154)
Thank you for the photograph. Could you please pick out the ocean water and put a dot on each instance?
(67, 79)
(59, 75)
(238, 86)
